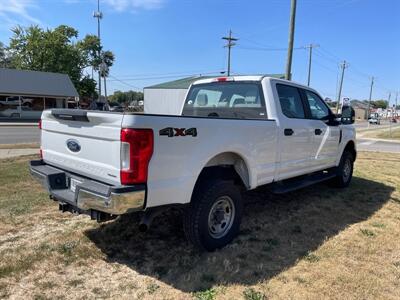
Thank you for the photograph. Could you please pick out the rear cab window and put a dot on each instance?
(233, 99)
(290, 101)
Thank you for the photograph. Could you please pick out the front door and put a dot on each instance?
(294, 133)
(325, 133)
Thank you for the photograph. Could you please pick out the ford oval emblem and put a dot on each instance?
(73, 145)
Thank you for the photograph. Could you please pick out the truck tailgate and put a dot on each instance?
(83, 142)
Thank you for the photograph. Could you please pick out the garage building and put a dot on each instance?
(25, 94)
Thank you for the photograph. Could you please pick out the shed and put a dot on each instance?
(360, 109)
(26, 94)
(168, 97)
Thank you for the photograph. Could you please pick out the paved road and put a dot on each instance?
(380, 146)
(19, 134)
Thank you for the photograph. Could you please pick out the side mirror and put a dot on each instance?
(348, 115)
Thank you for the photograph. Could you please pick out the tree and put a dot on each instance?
(5, 56)
(58, 50)
(380, 104)
(126, 97)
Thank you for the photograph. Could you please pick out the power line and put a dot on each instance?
(164, 77)
(231, 42)
(183, 73)
(325, 67)
(266, 49)
(128, 84)
(258, 43)
(327, 58)
(337, 58)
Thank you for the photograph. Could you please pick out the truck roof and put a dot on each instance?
(241, 78)
(252, 78)
(231, 78)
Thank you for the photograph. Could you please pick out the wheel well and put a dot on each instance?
(351, 148)
(225, 166)
(232, 163)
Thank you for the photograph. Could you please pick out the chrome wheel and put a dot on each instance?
(347, 167)
(221, 216)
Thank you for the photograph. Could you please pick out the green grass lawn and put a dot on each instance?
(395, 134)
(316, 243)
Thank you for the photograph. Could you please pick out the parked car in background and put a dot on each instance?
(16, 100)
(116, 107)
(233, 134)
(374, 118)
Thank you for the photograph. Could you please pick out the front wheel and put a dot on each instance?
(213, 217)
(344, 171)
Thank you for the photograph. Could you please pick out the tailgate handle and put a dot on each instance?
(70, 115)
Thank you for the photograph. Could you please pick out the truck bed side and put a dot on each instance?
(178, 160)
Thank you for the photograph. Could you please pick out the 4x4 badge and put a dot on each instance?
(171, 132)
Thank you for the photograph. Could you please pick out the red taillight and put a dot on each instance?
(222, 79)
(136, 152)
(40, 124)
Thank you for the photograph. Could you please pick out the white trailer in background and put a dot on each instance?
(167, 98)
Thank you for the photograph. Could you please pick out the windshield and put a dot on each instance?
(242, 100)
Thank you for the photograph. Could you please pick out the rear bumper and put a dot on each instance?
(88, 195)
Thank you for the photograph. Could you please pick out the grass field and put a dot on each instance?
(20, 146)
(394, 135)
(316, 243)
(382, 133)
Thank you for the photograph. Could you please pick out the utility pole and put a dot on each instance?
(288, 73)
(387, 115)
(343, 65)
(99, 15)
(104, 71)
(310, 47)
(370, 96)
(231, 42)
(395, 105)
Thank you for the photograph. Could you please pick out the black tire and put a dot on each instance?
(206, 199)
(344, 171)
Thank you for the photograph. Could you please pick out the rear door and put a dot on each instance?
(325, 132)
(294, 133)
(83, 142)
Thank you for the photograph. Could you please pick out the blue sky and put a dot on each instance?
(160, 40)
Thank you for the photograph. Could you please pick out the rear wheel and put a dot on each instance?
(344, 170)
(213, 217)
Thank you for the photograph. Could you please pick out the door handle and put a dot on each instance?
(318, 131)
(288, 131)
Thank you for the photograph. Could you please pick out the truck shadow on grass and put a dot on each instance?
(276, 231)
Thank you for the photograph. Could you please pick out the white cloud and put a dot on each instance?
(14, 12)
(134, 5)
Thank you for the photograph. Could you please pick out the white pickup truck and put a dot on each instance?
(234, 134)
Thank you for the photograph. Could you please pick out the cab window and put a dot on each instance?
(318, 109)
(290, 100)
(238, 100)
